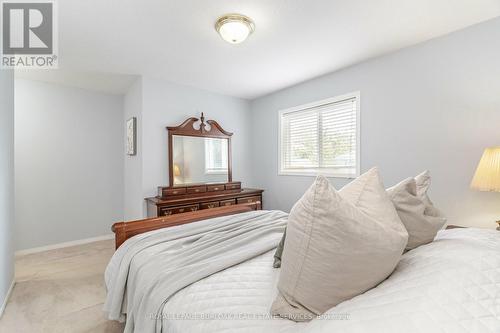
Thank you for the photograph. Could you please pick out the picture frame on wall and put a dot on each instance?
(132, 136)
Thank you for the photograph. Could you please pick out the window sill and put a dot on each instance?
(216, 172)
(315, 174)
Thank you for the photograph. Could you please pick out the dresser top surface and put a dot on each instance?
(205, 196)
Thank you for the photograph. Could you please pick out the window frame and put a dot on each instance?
(327, 172)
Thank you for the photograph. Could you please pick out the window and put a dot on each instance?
(321, 138)
(216, 156)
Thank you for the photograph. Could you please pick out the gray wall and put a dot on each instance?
(69, 163)
(6, 182)
(133, 200)
(433, 106)
(167, 104)
(158, 104)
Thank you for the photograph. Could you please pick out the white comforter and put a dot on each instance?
(147, 270)
(451, 285)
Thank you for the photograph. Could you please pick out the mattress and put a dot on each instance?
(451, 285)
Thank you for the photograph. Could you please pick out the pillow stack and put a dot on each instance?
(338, 245)
(417, 212)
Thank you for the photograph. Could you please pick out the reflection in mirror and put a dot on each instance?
(199, 160)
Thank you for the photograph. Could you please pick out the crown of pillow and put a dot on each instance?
(368, 194)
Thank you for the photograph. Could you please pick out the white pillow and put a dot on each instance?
(421, 219)
(338, 245)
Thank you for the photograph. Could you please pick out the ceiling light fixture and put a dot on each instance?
(234, 28)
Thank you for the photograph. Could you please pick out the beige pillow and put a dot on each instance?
(338, 245)
(423, 182)
(279, 251)
(421, 219)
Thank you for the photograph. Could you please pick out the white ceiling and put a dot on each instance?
(294, 40)
(110, 83)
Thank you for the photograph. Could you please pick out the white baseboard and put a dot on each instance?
(65, 244)
(2, 309)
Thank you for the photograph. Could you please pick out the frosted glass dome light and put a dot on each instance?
(234, 28)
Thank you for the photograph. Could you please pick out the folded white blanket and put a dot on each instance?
(149, 268)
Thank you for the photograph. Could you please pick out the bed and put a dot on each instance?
(449, 285)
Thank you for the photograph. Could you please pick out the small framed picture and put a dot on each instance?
(132, 136)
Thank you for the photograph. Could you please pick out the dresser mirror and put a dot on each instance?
(199, 153)
(198, 160)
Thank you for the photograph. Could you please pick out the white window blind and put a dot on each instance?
(321, 138)
(216, 156)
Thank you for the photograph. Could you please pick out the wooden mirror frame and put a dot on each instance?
(187, 129)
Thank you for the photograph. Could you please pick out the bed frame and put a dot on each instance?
(125, 230)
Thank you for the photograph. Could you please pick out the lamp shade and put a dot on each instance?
(487, 176)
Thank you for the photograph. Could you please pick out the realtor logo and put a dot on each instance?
(28, 34)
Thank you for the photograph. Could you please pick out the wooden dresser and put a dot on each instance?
(190, 198)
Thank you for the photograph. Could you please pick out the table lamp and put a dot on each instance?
(177, 170)
(487, 176)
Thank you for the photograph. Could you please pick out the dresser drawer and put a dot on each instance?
(233, 186)
(174, 191)
(216, 195)
(228, 202)
(196, 189)
(178, 210)
(213, 188)
(207, 205)
(248, 199)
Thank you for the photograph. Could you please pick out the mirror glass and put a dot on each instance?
(199, 160)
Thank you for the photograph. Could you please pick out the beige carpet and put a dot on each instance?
(60, 291)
